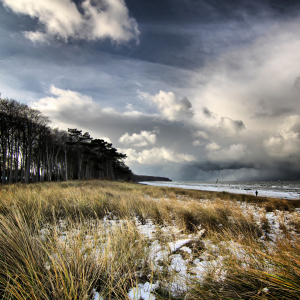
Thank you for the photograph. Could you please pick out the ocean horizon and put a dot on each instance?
(276, 189)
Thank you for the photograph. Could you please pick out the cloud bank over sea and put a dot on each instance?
(190, 92)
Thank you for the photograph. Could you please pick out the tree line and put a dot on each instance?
(32, 151)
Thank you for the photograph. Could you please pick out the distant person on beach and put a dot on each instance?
(256, 193)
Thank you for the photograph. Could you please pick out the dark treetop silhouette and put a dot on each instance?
(31, 151)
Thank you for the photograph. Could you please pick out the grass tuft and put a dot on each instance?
(67, 240)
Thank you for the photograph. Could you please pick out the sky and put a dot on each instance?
(189, 89)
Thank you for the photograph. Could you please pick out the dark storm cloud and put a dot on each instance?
(194, 172)
(162, 46)
(206, 11)
(219, 55)
(213, 166)
(240, 171)
(239, 125)
(297, 82)
(187, 106)
(284, 172)
(229, 127)
(170, 31)
(207, 113)
(89, 72)
(274, 113)
(188, 33)
(14, 23)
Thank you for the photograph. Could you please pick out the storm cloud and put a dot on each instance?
(207, 113)
(187, 89)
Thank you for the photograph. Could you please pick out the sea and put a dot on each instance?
(275, 189)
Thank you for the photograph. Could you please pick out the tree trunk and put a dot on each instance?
(11, 159)
(4, 162)
(44, 167)
(66, 165)
(22, 168)
(112, 171)
(17, 161)
(27, 178)
(38, 167)
(79, 164)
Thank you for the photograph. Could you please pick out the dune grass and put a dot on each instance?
(69, 240)
(262, 272)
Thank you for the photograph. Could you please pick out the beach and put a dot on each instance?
(275, 189)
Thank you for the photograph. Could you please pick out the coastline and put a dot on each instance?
(287, 195)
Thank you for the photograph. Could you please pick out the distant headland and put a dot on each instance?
(138, 178)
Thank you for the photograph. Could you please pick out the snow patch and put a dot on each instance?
(143, 291)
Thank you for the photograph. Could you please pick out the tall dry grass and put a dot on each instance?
(56, 242)
(261, 272)
(69, 260)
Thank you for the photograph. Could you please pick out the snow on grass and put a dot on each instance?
(169, 249)
(97, 295)
(143, 291)
(186, 249)
(174, 246)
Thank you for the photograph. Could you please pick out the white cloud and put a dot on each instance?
(145, 138)
(198, 143)
(106, 139)
(61, 18)
(67, 108)
(156, 156)
(36, 36)
(234, 153)
(201, 134)
(77, 105)
(287, 140)
(65, 100)
(169, 106)
(230, 127)
(70, 109)
(212, 146)
(129, 106)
